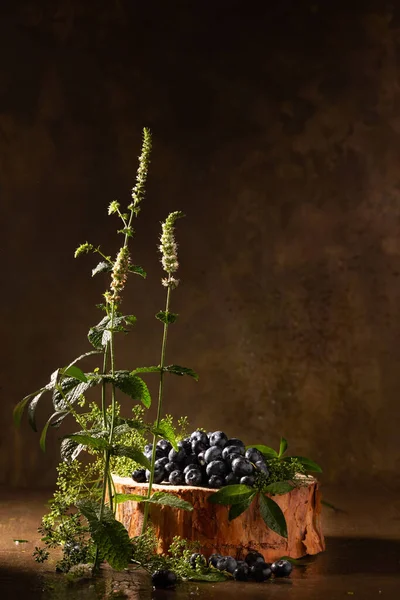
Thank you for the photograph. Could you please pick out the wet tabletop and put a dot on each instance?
(362, 558)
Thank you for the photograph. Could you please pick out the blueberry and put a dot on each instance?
(161, 462)
(213, 453)
(139, 475)
(242, 467)
(159, 475)
(241, 573)
(176, 478)
(260, 571)
(164, 445)
(197, 558)
(229, 449)
(186, 445)
(231, 457)
(213, 559)
(281, 568)
(218, 438)
(148, 448)
(198, 446)
(252, 557)
(191, 459)
(149, 453)
(227, 563)
(190, 467)
(253, 455)
(235, 442)
(216, 467)
(215, 481)
(172, 466)
(199, 436)
(163, 579)
(247, 480)
(261, 466)
(175, 456)
(231, 479)
(193, 477)
(200, 459)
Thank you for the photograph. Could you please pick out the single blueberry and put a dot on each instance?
(218, 438)
(227, 563)
(247, 480)
(175, 456)
(199, 436)
(213, 453)
(139, 475)
(261, 466)
(172, 466)
(193, 477)
(231, 457)
(252, 557)
(164, 445)
(216, 467)
(198, 446)
(235, 442)
(231, 479)
(242, 467)
(176, 478)
(260, 571)
(215, 481)
(241, 573)
(253, 455)
(163, 579)
(281, 568)
(159, 475)
(161, 462)
(186, 445)
(190, 467)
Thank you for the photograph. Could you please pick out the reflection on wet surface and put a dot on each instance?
(364, 567)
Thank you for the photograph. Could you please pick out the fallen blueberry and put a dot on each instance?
(139, 475)
(281, 568)
(163, 579)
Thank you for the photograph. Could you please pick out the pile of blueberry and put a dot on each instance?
(252, 568)
(204, 459)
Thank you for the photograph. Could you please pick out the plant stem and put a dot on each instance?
(159, 407)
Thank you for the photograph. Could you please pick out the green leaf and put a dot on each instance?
(102, 267)
(70, 450)
(307, 463)
(166, 317)
(82, 356)
(97, 443)
(165, 430)
(42, 441)
(146, 370)
(136, 455)
(73, 371)
(120, 498)
(34, 402)
(70, 390)
(231, 494)
(110, 536)
(278, 488)
(19, 410)
(132, 385)
(265, 450)
(95, 335)
(237, 509)
(272, 515)
(282, 447)
(129, 319)
(177, 370)
(170, 500)
(138, 270)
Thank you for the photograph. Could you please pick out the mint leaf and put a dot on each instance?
(166, 317)
(231, 494)
(265, 450)
(237, 509)
(170, 500)
(282, 447)
(278, 488)
(272, 515)
(178, 370)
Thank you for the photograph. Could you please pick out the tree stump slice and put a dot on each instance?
(208, 523)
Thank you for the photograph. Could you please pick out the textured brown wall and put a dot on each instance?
(277, 132)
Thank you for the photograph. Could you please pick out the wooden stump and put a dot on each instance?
(208, 523)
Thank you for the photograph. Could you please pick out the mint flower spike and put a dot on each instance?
(168, 248)
(83, 249)
(119, 276)
(144, 160)
(113, 207)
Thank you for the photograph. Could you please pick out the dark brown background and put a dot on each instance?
(277, 131)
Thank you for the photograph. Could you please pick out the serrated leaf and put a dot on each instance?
(97, 443)
(237, 509)
(272, 515)
(129, 319)
(132, 385)
(70, 450)
(70, 390)
(76, 372)
(231, 494)
(32, 408)
(102, 267)
(109, 535)
(128, 451)
(165, 430)
(170, 500)
(42, 441)
(166, 317)
(146, 370)
(282, 447)
(138, 270)
(178, 370)
(95, 334)
(265, 450)
(307, 463)
(278, 488)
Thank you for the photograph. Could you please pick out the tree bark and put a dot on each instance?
(208, 523)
